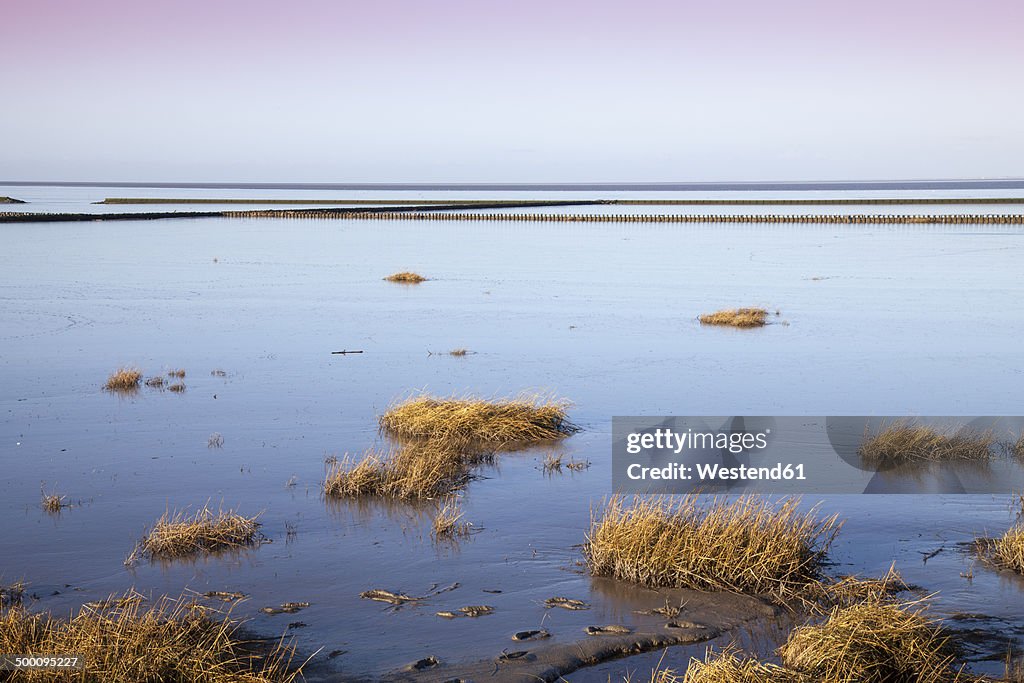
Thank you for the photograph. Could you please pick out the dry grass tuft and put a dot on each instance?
(499, 423)
(423, 469)
(170, 640)
(458, 352)
(872, 642)
(448, 521)
(125, 379)
(736, 317)
(406, 277)
(179, 373)
(155, 382)
(728, 666)
(177, 388)
(906, 441)
(1017, 448)
(54, 503)
(747, 545)
(216, 440)
(179, 534)
(1007, 551)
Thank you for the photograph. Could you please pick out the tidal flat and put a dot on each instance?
(879, 320)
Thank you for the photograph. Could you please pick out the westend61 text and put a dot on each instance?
(715, 472)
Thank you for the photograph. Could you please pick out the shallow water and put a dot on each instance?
(905, 320)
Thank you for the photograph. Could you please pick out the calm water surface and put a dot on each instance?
(887, 320)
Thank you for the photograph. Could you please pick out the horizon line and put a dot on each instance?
(780, 185)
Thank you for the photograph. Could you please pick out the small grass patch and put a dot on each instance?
(170, 640)
(906, 441)
(867, 642)
(448, 521)
(872, 642)
(178, 374)
(1006, 551)
(155, 382)
(54, 503)
(736, 317)
(180, 534)
(747, 545)
(458, 352)
(495, 423)
(124, 379)
(178, 388)
(406, 277)
(423, 469)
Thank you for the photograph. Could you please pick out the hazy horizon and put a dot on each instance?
(459, 92)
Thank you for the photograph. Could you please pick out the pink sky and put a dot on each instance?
(527, 91)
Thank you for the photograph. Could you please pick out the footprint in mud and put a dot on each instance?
(226, 596)
(566, 603)
(611, 629)
(386, 596)
(683, 624)
(516, 656)
(286, 608)
(534, 634)
(424, 664)
(477, 610)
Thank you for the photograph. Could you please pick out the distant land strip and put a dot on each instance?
(869, 201)
(420, 213)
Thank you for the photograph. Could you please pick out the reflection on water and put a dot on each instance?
(602, 314)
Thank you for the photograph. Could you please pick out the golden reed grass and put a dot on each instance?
(180, 534)
(874, 641)
(406, 277)
(736, 317)
(53, 503)
(124, 379)
(746, 545)
(422, 469)
(448, 521)
(906, 441)
(173, 641)
(1006, 551)
(497, 423)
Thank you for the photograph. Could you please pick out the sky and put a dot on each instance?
(527, 91)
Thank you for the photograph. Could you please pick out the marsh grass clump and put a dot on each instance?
(448, 521)
(729, 666)
(905, 441)
(406, 277)
(1006, 551)
(736, 317)
(124, 380)
(422, 469)
(178, 374)
(458, 352)
(501, 423)
(54, 503)
(130, 641)
(746, 545)
(180, 534)
(178, 388)
(155, 382)
(872, 642)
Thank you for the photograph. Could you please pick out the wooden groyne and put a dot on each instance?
(444, 213)
(844, 219)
